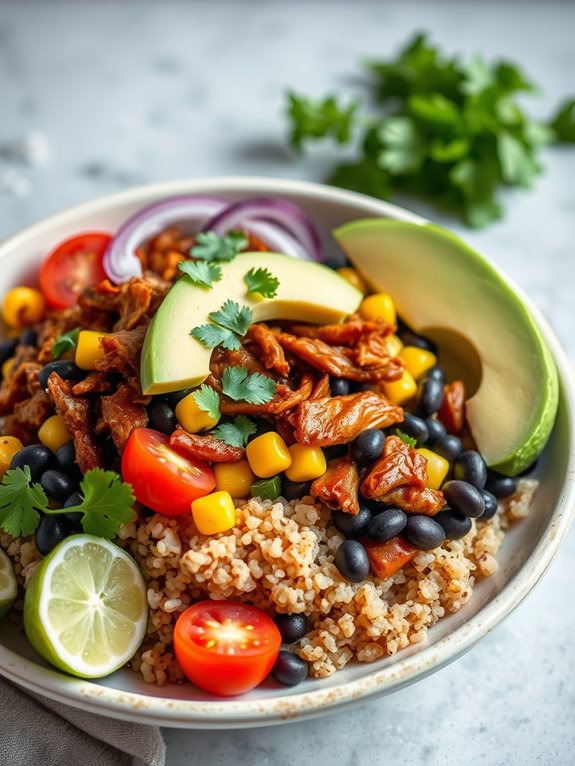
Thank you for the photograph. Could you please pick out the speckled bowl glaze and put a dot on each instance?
(524, 556)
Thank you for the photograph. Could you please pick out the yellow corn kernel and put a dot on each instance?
(88, 349)
(214, 513)
(191, 417)
(7, 368)
(9, 446)
(268, 454)
(437, 468)
(53, 433)
(378, 306)
(306, 463)
(417, 360)
(235, 478)
(353, 278)
(23, 306)
(394, 344)
(402, 390)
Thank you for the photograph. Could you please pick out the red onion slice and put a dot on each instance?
(276, 238)
(120, 259)
(290, 217)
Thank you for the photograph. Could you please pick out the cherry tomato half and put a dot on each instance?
(72, 266)
(225, 647)
(162, 478)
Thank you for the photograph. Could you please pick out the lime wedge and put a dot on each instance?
(85, 610)
(8, 585)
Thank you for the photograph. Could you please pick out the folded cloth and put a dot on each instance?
(35, 730)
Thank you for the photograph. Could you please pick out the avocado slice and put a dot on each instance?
(445, 290)
(308, 292)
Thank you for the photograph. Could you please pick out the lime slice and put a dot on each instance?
(85, 610)
(8, 585)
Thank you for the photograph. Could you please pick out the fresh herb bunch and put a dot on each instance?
(449, 130)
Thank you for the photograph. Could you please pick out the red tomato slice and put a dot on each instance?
(226, 647)
(162, 478)
(72, 266)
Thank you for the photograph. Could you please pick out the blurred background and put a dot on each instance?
(96, 97)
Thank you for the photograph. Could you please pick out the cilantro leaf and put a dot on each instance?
(202, 273)
(232, 317)
(211, 247)
(208, 400)
(409, 440)
(563, 123)
(20, 502)
(262, 281)
(212, 335)
(106, 505)
(236, 433)
(254, 388)
(65, 342)
(319, 119)
(403, 146)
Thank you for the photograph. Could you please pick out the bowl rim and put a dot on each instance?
(166, 711)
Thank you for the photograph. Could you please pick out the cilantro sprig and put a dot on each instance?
(65, 342)
(253, 388)
(202, 273)
(262, 281)
(229, 323)
(106, 505)
(237, 432)
(210, 246)
(208, 400)
(447, 129)
(409, 440)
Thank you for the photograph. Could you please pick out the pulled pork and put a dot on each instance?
(122, 413)
(205, 447)
(338, 487)
(399, 465)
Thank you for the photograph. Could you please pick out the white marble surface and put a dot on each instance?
(132, 92)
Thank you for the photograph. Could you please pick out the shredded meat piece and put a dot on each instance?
(122, 354)
(413, 500)
(321, 389)
(205, 447)
(399, 465)
(347, 333)
(338, 486)
(388, 558)
(335, 361)
(14, 388)
(9, 426)
(271, 353)
(285, 398)
(222, 358)
(139, 301)
(103, 296)
(78, 418)
(452, 410)
(373, 351)
(339, 419)
(122, 414)
(94, 383)
(32, 412)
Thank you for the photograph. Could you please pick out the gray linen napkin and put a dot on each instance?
(35, 730)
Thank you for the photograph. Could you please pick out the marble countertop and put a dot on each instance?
(126, 93)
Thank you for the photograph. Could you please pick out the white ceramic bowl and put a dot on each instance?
(525, 555)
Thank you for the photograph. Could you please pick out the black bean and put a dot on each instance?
(161, 417)
(28, 337)
(358, 387)
(464, 497)
(57, 484)
(490, 505)
(294, 490)
(339, 386)
(414, 427)
(424, 532)
(352, 561)
(66, 456)
(436, 430)
(74, 499)
(37, 457)
(368, 446)
(437, 373)
(289, 669)
(66, 370)
(338, 450)
(470, 467)
(51, 531)
(7, 349)
(429, 396)
(409, 338)
(177, 396)
(291, 626)
(448, 446)
(499, 485)
(454, 524)
(351, 525)
(386, 524)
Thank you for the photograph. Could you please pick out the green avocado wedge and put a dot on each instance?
(486, 335)
(172, 359)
